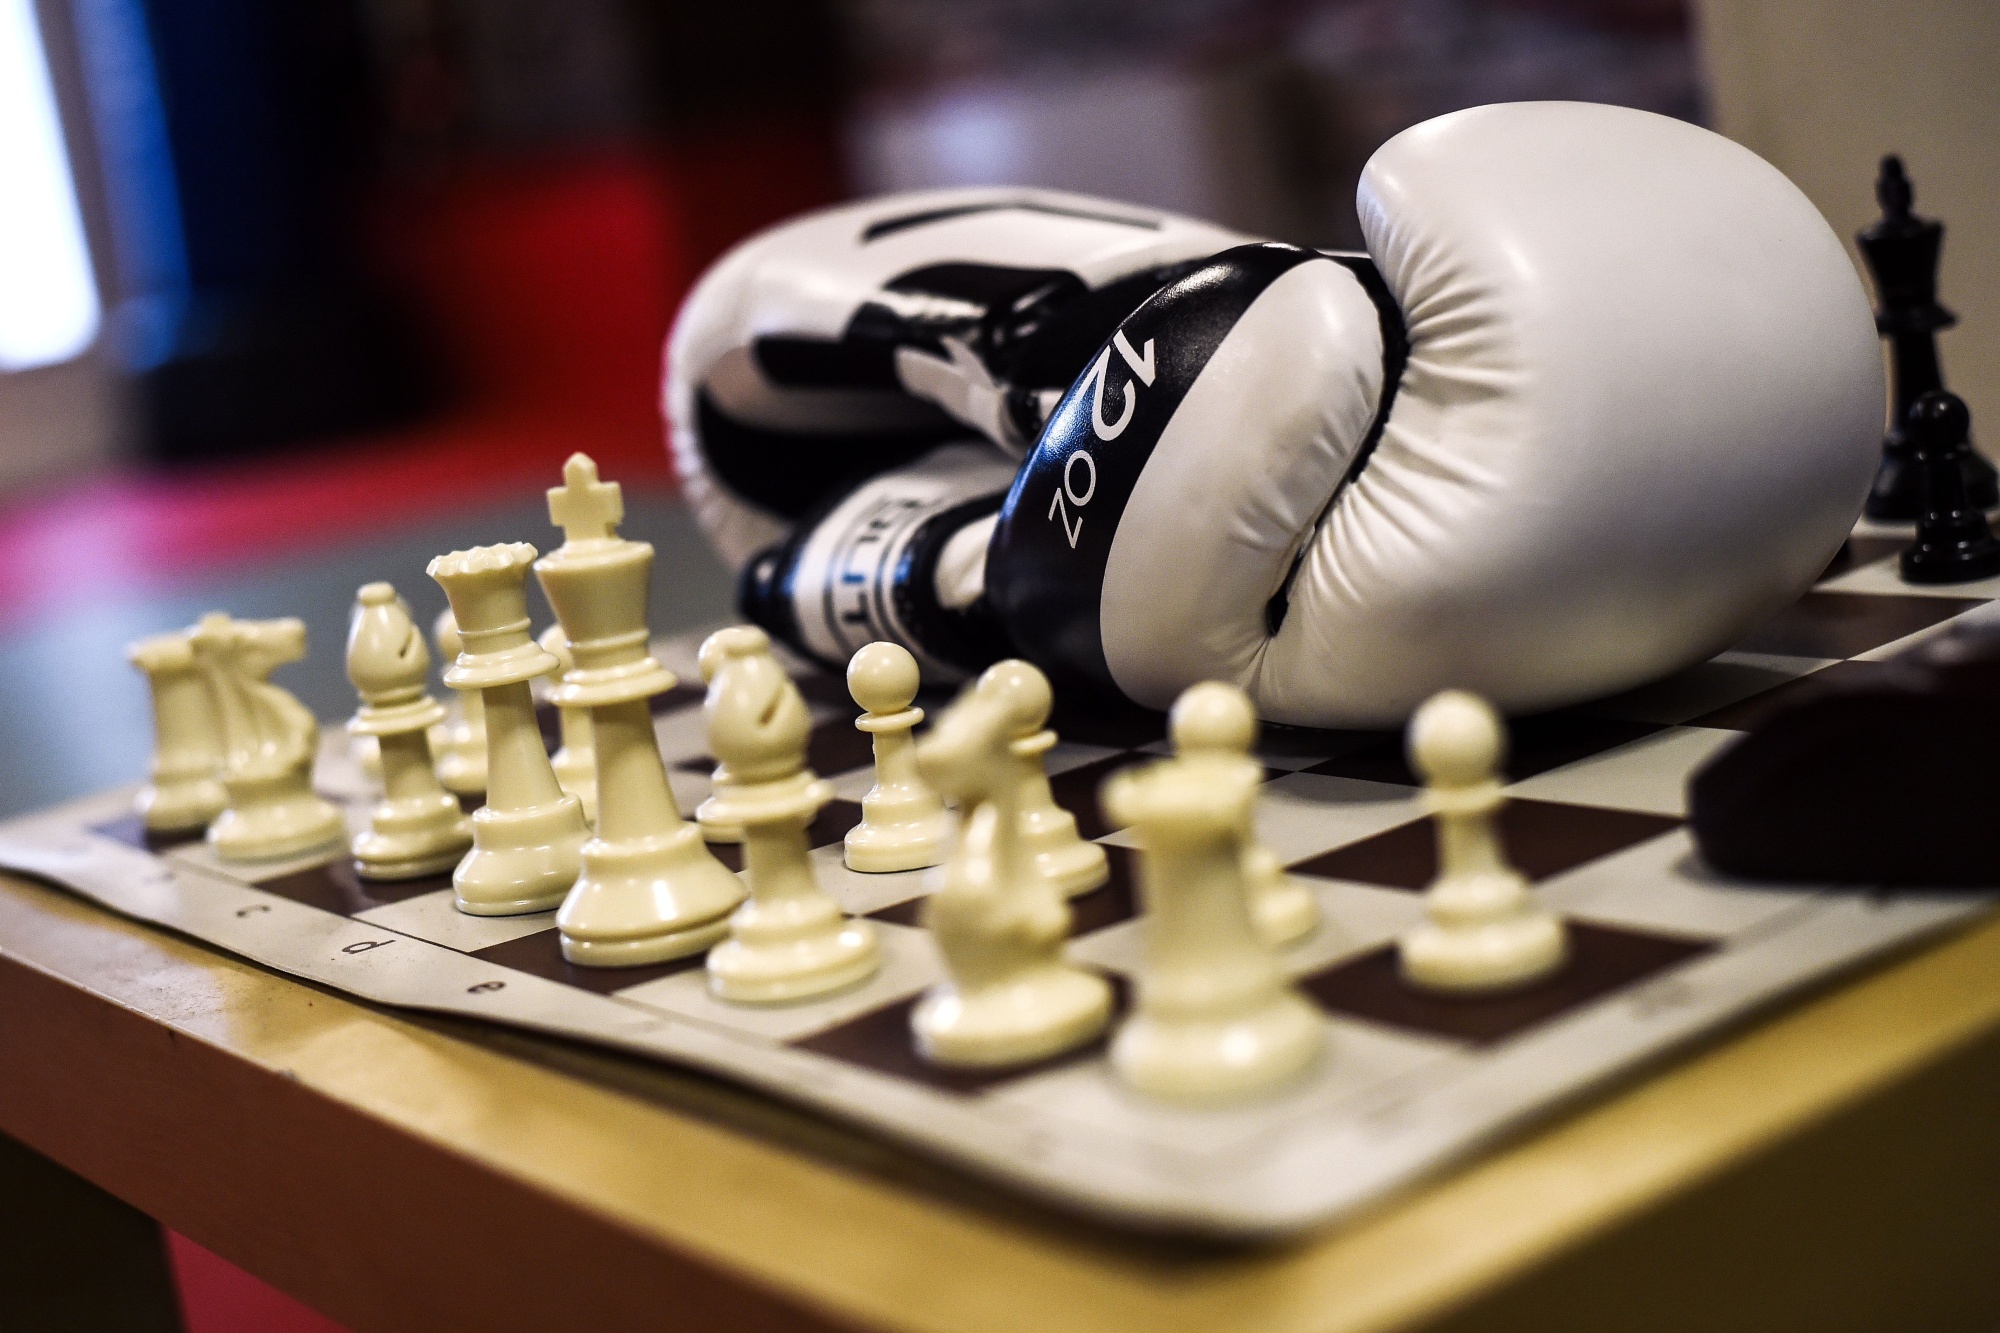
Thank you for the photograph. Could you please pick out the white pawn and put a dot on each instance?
(1215, 724)
(1215, 1018)
(418, 827)
(575, 760)
(459, 742)
(1073, 864)
(184, 789)
(904, 826)
(998, 920)
(727, 643)
(271, 742)
(1483, 931)
(791, 941)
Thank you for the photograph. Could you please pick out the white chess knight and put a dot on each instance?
(575, 759)
(1483, 932)
(417, 828)
(723, 646)
(650, 888)
(998, 919)
(270, 742)
(528, 836)
(1072, 863)
(791, 940)
(1215, 1018)
(459, 742)
(904, 826)
(1214, 724)
(183, 789)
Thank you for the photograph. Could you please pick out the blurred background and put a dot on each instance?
(295, 296)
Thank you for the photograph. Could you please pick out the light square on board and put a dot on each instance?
(1862, 550)
(1602, 960)
(910, 965)
(1541, 838)
(1886, 576)
(1650, 774)
(1664, 886)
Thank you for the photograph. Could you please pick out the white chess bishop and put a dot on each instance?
(904, 826)
(791, 940)
(1483, 932)
(650, 888)
(575, 759)
(1215, 1018)
(183, 789)
(270, 742)
(718, 649)
(528, 837)
(459, 742)
(1214, 725)
(417, 828)
(998, 918)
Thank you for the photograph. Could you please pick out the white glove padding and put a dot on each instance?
(849, 342)
(1641, 406)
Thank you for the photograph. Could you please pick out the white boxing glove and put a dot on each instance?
(1614, 399)
(852, 341)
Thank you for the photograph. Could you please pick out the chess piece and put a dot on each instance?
(1953, 543)
(730, 641)
(791, 940)
(1482, 931)
(1215, 724)
(270, 742)
(1075, 866)
(998, 919)
(575, 760)
(650, 889)
(183, 789)
(1902, 252)
(417, 828)
(527, 838)
(1215, 1018)
(459, 742)
(904, 826)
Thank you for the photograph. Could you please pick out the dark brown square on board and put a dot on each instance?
(131, 830)
(1602, 960)
(1535, 745)
(1847, 624)
(1746, 714)
(540, 955)
(335, 887)
(1541, 838)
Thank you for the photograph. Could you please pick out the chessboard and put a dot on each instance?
(1664, 951)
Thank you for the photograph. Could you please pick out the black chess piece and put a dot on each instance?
(1902, 251)
(1953, 543)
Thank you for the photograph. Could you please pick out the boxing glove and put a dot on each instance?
(1603, 395)
(852, 341)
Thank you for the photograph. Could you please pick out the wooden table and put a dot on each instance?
(1834, 1166)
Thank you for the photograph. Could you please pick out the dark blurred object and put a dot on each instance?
(249, 316)
(1884, 778)
(1902, 251)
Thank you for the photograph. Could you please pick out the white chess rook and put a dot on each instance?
(527, 838)
(650, 889)
(1215, 1019)
(1216, 724)
(459, 742)
(270, 742)
(904, 826)
(791, 940)
(1483, 932)
(727, 643)
(1072, 863)
(998, 919)
(418, 827)
(184, 786)
(575, 759)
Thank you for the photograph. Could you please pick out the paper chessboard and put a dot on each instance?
(1663, 949)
